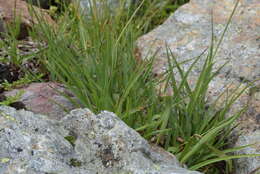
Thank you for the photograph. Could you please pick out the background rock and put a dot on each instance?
(188, 33)
(112, 4)
(27, 21)
(45, 98)
(248, 165)
(46, 3)
(81, 143)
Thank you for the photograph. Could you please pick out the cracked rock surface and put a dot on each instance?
(80, 143)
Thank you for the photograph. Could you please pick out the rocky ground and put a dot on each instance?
(54, 142)
(80, 143)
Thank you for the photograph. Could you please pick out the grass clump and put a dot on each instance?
(94, 57)
(96, 60)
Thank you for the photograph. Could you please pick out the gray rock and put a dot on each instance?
(113, 4)
(248, 165)
(81, 143)
(188, 32)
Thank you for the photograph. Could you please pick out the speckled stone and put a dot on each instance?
(187, 33)
(80, 143)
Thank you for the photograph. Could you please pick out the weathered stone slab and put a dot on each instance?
(81, 143)
(187, 33)
(45, 98)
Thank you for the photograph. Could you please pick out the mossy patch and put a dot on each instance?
(75, 163)
(71, 139)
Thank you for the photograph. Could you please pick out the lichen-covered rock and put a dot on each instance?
(187, 33)
(248, 165)
(81, 143)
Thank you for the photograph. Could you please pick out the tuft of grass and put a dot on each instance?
(94, 57)
(96, 61)
(9, 43)
(7, 86)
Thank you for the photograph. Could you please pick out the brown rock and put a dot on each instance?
(45, 98)
(11, 8)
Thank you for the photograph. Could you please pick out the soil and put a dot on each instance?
(10, 72)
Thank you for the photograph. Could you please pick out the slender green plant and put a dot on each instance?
(12, 99)
(189, 127)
